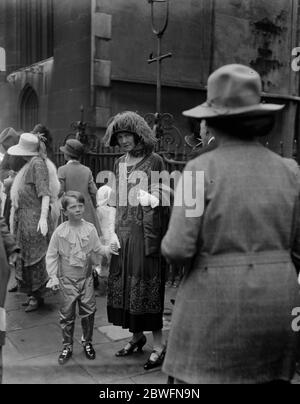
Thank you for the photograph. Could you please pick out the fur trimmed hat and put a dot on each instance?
(132, 123)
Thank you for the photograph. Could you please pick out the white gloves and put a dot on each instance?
(147, 199)
(53, 283)
(43, 225)
(113, 238)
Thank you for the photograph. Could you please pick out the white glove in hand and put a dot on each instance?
(147, 199)
(114, 249)
(114, 240)
(98, 269)
(53, 283)
(43, 226)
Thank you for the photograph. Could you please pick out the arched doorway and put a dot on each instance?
(29, 109)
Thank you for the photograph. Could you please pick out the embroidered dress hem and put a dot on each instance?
(135, 323)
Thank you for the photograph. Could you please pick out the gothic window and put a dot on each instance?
(29, 109)
(35, 30)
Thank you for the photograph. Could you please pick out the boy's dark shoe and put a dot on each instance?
(89, 351)
(65, 355)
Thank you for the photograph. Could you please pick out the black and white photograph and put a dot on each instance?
(149, 195)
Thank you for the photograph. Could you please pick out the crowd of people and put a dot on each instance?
(232, 317)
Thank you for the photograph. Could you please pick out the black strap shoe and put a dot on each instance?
(89, 351)
(65, 355)
(155, 360)
(132, 347)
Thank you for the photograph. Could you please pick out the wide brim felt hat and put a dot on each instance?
(28, 146)
(233, 90)
(73, 148)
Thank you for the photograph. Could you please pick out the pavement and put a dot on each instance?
(33, 343)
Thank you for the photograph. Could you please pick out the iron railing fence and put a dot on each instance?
(103, 158)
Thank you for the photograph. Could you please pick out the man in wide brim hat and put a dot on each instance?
(233, 93)
(73, 148)
(240, 249)
(233, 90)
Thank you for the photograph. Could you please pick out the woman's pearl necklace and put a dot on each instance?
(129, 171)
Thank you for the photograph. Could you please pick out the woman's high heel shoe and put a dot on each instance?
(156, 361)
(134, 346)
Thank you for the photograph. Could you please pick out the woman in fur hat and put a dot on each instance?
(136, 278)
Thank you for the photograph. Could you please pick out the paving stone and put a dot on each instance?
(115, 333)
(10, 353)
(18, 319)
(45, 369)
(98, 337)
(127, 380)
(36, 341)
(108, 368)
(151, 377)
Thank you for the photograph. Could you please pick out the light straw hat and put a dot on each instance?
(28, 146)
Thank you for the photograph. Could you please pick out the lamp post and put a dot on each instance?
(162, 123)
(80, 128)
(159, 32)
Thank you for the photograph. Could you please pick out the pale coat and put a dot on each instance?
(232, 318)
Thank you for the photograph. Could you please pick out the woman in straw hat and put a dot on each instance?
(241, 285)
(36, 185)
(136, 278)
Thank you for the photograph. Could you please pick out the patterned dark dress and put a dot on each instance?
(137, 274)
(31, 271)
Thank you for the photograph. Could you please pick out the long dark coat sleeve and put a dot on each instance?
(7, 247)
(180, 243)
(8, 239)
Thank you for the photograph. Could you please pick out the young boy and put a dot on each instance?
(73, 249)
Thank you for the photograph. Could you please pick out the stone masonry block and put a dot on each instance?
(103, 97)
(102, 72)
(102, 25)
(102, 116)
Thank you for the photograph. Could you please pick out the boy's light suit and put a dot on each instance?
(72, 252)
